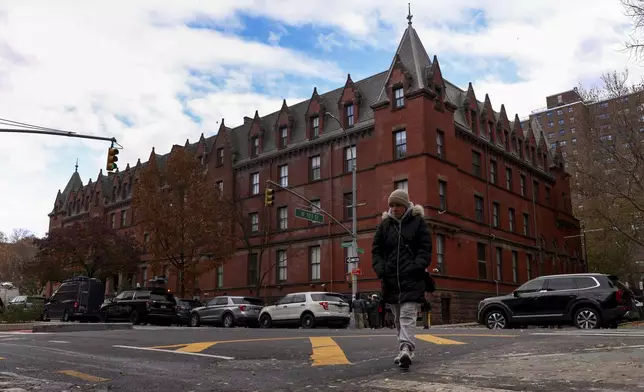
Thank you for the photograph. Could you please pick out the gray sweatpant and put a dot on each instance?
(405, 319)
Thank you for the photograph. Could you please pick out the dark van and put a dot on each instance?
(78, 298)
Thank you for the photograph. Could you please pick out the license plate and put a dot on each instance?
(163, 306)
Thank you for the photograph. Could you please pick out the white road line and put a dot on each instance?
(175, 352)
(58, 341)
(580, 334)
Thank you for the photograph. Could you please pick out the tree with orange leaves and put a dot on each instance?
(189, 223)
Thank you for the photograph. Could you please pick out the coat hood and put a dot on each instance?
(417, 209)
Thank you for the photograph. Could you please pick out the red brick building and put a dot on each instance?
(497, 200)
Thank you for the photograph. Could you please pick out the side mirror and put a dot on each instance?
(516, 293)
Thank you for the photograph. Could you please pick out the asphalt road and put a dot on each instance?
(216, 359)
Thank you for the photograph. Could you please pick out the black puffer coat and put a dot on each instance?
(401, 253)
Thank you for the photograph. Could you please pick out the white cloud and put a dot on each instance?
(78, 66)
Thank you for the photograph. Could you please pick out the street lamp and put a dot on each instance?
(354, 241)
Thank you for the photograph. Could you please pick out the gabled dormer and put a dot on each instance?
(518, 136)
(221, 146)
(503, 125)
(284, 126)
(255, 136)
(349, 104)
(398, 84)
(436, 84)
(202, 152)
(472, 110)
(126, 184)
(115, 185)
(315, 115)
(488, 120)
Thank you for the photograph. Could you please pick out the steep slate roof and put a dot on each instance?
(410, 52)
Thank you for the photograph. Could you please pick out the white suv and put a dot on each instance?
(307, 310)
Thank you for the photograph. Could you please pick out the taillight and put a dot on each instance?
(75, 305)
(242, 308)
(325, 305)
(619, 295)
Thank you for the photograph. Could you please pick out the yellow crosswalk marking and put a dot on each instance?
(197, 347)
(83, 376)
(170, 346)
(327, 352)
(437, 340)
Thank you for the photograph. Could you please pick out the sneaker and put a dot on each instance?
(397, 359)
(405, 358)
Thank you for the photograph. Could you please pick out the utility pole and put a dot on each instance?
(353, 251)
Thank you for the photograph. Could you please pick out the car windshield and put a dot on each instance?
(248, 301)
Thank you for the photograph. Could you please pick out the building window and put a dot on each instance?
(478, 203)
(440, 144)
(528, 262)
(253, 273)
(254, 184)
(515, 266)
(146, 241)
(220, 276)
(573, 140)
(562, 132)
(282, 214)
(508, 178)
(551, 135)
(283, 175)
(220, 156)
(255, 147)
(561, 121)
(402, 184)
(499, 264)
(113, 220)
(522, 185)
(314, 259)
(282, 266)
(350, 156)
(123, 218)
(482, 261)
(476, 163)
(315, 126)
(440, 253)
(283, 137)
(254, 222)
(495, 214)
(399, 96)
(348, 210)
(315, 168)
(511, 219)
(492, 171)
(350, 117)
(400, 143)
(442, 195)
(526, 224)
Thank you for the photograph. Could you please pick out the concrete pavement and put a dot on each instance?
(241, 359)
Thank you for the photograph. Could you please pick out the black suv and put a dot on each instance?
(141, 305)
(587, 301)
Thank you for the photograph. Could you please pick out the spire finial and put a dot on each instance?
(76, 166)
(409, 15)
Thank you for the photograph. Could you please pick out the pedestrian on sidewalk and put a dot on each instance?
(359, 311)
(401, 252)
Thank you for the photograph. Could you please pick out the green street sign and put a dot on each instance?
(346, 244)
(308, 215)
(360, 250)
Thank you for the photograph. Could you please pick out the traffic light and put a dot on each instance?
(112, 158)
(269, 197)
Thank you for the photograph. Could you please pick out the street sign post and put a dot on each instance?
(308, 215)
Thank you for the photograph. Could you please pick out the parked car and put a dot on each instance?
(27, 301)
(184, 308)
(141, 305)
(587, 301)
(228, 311)
(308, 310)
(78, 298)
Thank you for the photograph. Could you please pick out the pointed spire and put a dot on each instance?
(76, 167)
(315, 90)
(409, 15)
(284, 105)
(222, 122)
(138, 162)
(127, 167)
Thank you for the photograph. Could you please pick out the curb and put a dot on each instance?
(461, 325)
(17, 327)
(80, 327)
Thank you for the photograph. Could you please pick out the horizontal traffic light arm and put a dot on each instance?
(60, 133)
(292, 192)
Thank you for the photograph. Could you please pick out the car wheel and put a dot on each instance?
(495, 319)
(45, 316)
(134, 317)
(195, 321)
(65, 316)
(587, 318)
(228, 320)
(307, 321)
(104, 317)
(265, 321)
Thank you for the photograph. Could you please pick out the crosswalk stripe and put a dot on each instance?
(437, 340)
(327, 352)
(83, 376)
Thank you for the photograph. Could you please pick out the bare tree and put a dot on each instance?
(608, 164)
(634, 10)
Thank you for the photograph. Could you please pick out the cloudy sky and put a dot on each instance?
(156, 72)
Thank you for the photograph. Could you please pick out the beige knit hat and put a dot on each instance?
(399, 196)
